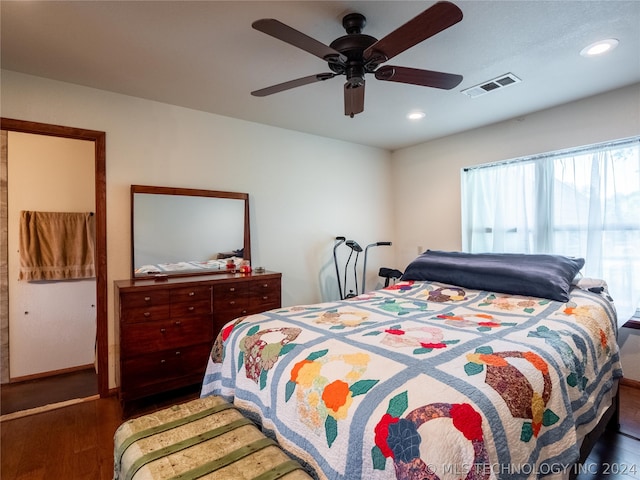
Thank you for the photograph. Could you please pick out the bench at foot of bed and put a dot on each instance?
(205, 438)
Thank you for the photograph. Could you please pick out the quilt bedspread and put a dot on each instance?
(424, 380)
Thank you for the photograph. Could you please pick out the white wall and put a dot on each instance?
(427, 176)
(52, 325)
(304, 189)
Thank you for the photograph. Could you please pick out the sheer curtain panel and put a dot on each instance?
(582, 202)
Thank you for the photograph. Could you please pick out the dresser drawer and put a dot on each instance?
(147, 337)
(258, 288)
(231, 290)
(164, 366)
(258, 305)
(201, 307)
(222, 316)
(191, 301)
(264, 295)
(191, 294)
(144, 299)
(233, 296)
(146, 314)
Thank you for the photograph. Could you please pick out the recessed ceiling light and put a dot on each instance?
(598, 48)
(416, 115)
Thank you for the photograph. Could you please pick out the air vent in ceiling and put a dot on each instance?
(492, 85)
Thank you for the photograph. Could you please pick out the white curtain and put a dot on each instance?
(583, 203)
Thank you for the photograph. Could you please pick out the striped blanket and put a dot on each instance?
(202, 439)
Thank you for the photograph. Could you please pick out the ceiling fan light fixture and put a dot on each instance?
(600, 47)
(416, 115)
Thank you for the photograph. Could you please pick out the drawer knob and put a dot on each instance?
(147, 299)
(191, 294)
(178, 352)
(163, 361)
(265, 285)
(232, 302)
(232, 289)
(147, 314)
(191, 309)
(178, 322)
(265, 298)
(163, 330)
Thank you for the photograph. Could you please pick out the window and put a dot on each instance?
(582, 202)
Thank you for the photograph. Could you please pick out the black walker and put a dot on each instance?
(386, 273)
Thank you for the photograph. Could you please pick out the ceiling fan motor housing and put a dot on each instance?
(352, 46)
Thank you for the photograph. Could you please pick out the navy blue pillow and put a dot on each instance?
(543, 276)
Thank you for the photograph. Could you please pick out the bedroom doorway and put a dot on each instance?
(98, 140)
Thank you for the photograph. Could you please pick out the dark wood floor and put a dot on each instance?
(20, 396)
(615, 456)
(630, 407)
(76, 442)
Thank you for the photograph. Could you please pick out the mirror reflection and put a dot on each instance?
(187, 231)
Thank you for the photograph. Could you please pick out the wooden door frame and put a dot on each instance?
(99, 139)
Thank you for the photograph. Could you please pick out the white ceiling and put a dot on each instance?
(205, 55)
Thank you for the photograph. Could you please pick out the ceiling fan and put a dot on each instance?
(357, 54)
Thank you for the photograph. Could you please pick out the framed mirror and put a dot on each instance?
(183, 231)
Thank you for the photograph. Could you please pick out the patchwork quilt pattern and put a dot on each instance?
(424, 380)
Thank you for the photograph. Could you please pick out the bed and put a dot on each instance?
(435, 377)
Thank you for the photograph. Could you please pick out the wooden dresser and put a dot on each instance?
(166, 328)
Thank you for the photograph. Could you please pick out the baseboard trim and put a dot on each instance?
(52, 373)
(46, 408)
(628, 382)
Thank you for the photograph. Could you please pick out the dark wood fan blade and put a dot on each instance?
(298, 39)
(433, 20)
(415, 76)
(353, 98)
(292, 84)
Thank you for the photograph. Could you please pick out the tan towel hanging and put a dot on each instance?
(56, 245)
